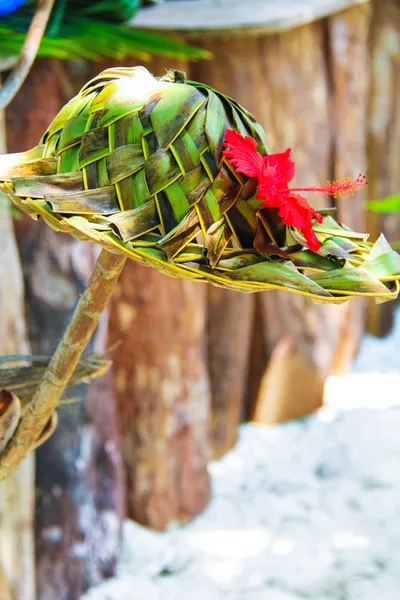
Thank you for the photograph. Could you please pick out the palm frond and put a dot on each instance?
(21, 374)
(93, 30)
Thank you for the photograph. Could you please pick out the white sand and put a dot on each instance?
(305, 510)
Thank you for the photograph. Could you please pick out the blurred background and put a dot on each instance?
(295, 508)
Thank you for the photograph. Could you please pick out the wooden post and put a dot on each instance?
(297, 83)
(229, 321)
(163, 394)
(348, 54)
(79, 479)
(229, 313)
(17, 493)
(384, 134)
(290, 98)
(79, 474)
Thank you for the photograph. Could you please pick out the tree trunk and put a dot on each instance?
(288, 369)
(348, 55)
(229, 323)
(384, 134)
(290, 99)
(163, 394)
(348, 33)
(79, 477)
(17, 577)
(298, 96)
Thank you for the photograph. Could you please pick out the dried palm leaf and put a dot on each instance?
(21, 374)
(10, 414)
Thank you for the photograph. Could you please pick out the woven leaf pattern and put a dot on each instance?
(135, 164)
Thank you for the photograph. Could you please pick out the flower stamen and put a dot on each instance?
(341, 188)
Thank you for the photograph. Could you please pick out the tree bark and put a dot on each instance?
(79, 474)
(298, 96)
(290, 99)
(229, 323)
(79, 478)
(163, 394)
(384, 134)
(348, 56)
(17, 493)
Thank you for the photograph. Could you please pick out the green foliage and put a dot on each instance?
(92, 30)
(391, 204)
(116, 10)
(386, 205)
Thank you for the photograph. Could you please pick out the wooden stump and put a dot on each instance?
(298, 85)
(288, 373)
(17, 493)
(79, 479)
(229, 313)
(264, 74)
(384, 134)
(229, 323)
(163, 394)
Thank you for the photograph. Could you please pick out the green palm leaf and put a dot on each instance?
(92, 30)
(135, 164)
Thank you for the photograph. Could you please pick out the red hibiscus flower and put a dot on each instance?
(274, 172)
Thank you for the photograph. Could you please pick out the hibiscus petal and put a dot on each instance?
(242, 153)
(311, 239)
(295, 211)
(279, 168)
(273, 172)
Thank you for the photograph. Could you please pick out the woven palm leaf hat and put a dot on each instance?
(137, 165)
